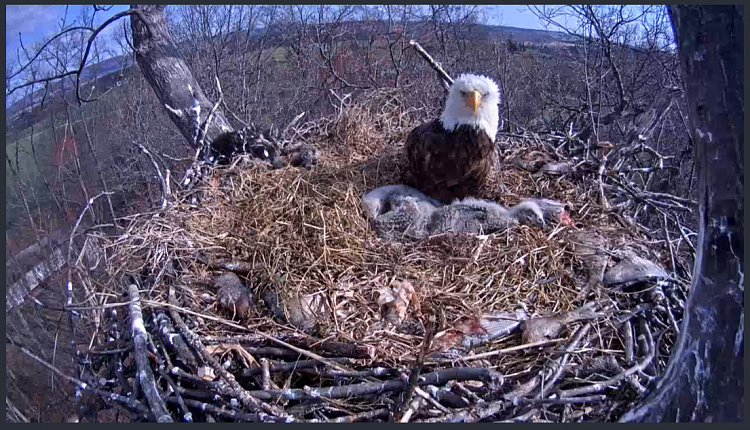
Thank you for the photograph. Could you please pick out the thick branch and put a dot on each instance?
(194, 341)
(144, 373)
(444, 77)
(347, 391)
(170, 77)
(704, 380)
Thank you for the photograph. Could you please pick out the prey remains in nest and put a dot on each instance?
(264, 145)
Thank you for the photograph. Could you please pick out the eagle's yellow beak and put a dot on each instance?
(473, 100)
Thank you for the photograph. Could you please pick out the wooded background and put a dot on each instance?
(275, 62)
(611, 77)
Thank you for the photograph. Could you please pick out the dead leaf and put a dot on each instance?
(242, 353)
(396, 299)
(219, 349)
(303, 312)
(206, 373)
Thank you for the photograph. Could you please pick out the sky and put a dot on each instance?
(34, 22)
(514, 16)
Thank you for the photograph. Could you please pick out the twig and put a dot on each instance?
(440, 396)
(163, 182)
(563, 401)
(669, 243)
(292, 123)
(600, 386)
(299, 365)
(417, 368)
(175, 342)
(241, 267)
(413, 408)
(627, 334)
(265, 374)
(620, 320)
(304, 352)
(245, 397)
(486, 410)
(477, 413)
(336, 374)
(356, 390)
(641, 170)
(687, 202)
(124, 385)
(187, 416)
(200, 139)
(672, 319)
(105, 395)
(444, 77)
(231, 414)
(134, 393)
(562, 361)
(682, 233)
(647, 197)
(466, 392)
(362, 416)
(197, 314)
(69, 285)
(511, 349)
(196, 380)
(335, 348)
(144, 373)
(522, 418)
(600, 172)
(226, 107)
(82, 64)
(12, 408)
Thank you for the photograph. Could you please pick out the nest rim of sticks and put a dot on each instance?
(302, 234)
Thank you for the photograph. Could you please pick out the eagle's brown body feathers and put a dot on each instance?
(449, 165)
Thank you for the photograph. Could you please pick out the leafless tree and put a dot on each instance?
(704, 380)
(612, 78)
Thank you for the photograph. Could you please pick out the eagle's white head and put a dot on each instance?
(472, 100)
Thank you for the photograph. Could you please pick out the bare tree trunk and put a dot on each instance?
(705, 378)
(169, 76)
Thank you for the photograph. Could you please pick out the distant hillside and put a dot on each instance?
(529, 35)
(93, 71)
(17, 115)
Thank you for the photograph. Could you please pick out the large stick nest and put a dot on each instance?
(302, 234)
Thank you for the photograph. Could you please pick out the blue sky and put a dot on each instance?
(513, 16)
(34, 22)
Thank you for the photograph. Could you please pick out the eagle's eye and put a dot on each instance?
(464, 93)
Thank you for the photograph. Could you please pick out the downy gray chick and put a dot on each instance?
(407, 216)
(528, 212)
(483, 217)
(400, 210)
(472, 216)
(381, 200)
(552, 210)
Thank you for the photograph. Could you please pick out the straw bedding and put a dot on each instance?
(303, 235)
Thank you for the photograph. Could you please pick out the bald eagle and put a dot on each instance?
(452, 157)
